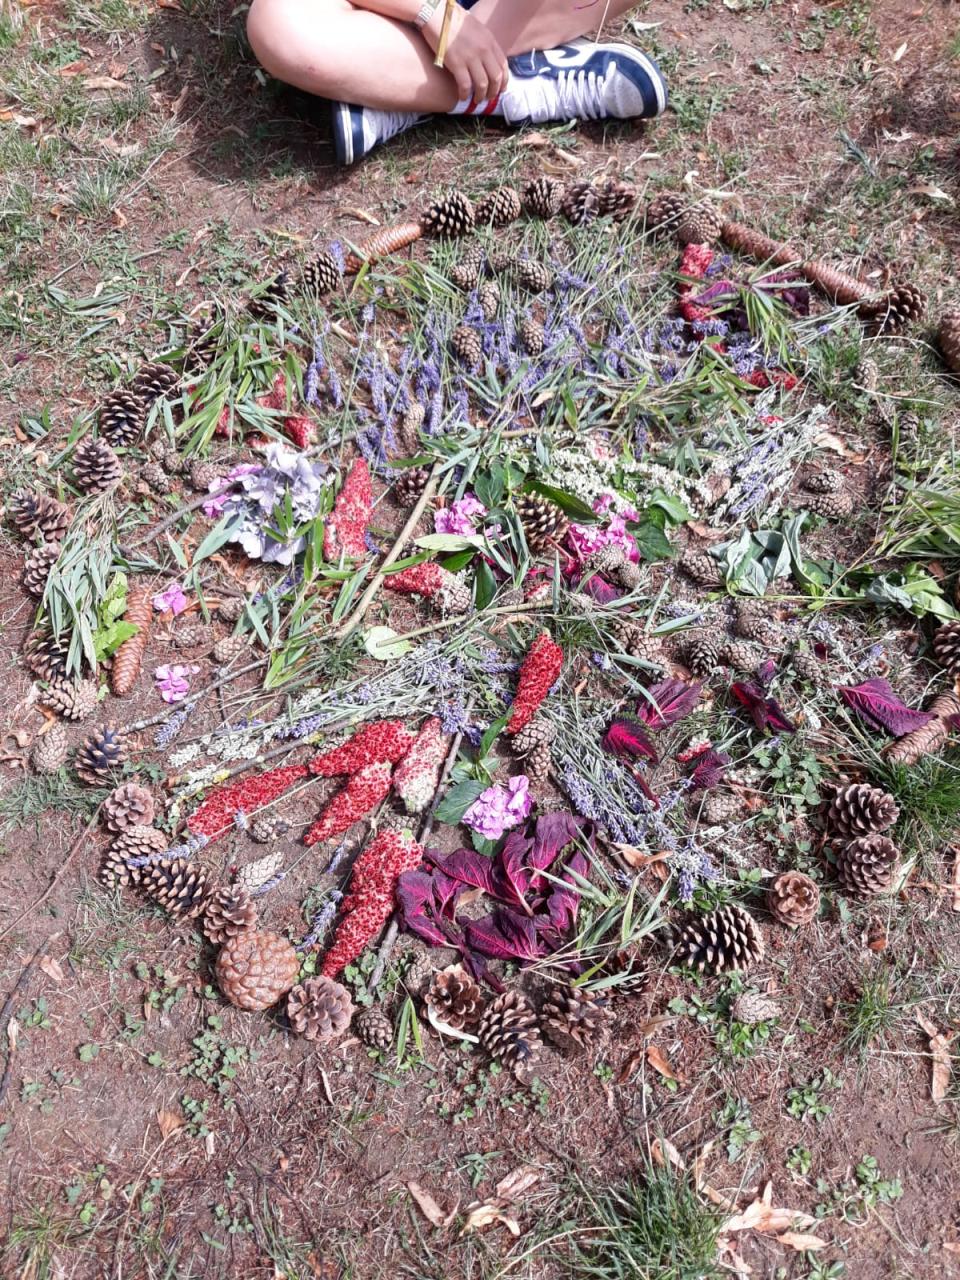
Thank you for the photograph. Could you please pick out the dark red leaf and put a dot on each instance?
(504, 935)
(766, 712)
(820, 650)
(513, 870)
(876, 702)
(670, 701)
(627, 739)
(564, 902)
(599, 589)
(709, 769)
(766, 672)
(467, 866)
(415, 899)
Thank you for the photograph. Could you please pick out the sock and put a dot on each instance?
(470, 107)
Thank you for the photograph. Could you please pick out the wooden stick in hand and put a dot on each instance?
(449, 6)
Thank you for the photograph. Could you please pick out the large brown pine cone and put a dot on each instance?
(700, 224)
(702, 568)
(128, 659)
(543, 521)
(153, 380)
(647, 649)
(498, 208)
(37, 515)
(538, 766)
(580, 203)
(255, 968)
(704, 649)
(754, 244)
(793, 899)
(135, 842)
(531, 335)
(946, 646)
(542, 197)
(409, 485)
(318, 1009)
(95, 466)
(576, 1019)
(467, 345)
(867, 866)
(665, 211)
(859, 809)
(930, 737)
(228, 911)
(454, 215)
(534, 276)
(72, 699)
(37, 565)
(723, 940)
(128, 805)
(895, 310)
(948, 336)
(321, 274)
(509, 1032)
(613, 562)
(229, 648)
(50, 749)
(538, 732)
(454, 998)
(102, 755)
(122, 416)
(468, 269)
(618, 199)
(45, 655)
(752, 621)
(178, 886)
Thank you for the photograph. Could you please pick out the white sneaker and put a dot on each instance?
(583, 81)
(357, 130)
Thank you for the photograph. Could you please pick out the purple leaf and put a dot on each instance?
(767, 671)
(467, 866)
(513, 879)
(766, 712)
(415, 898)
(504, 935)
(564, 902)
(446, 891)
(820, 650)
(627, 739)
(553, 832)
(599, 589)
(876, 703)
(671, 701)
(477, 967)
(709, 769)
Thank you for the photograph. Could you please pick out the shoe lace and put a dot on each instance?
(581, 92)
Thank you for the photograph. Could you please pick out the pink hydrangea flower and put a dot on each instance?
(586, 539)
(498, 808)
(214, 506)
(459, 516)
(173, 682)
(170, 600)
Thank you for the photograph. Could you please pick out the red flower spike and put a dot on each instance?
(538, 672)
(425, 579)
(301, 431)
(347, 524)
(388, 740)
(363, 792)
(370, 900)
(276, 397)
(416, 777)
(217, 812)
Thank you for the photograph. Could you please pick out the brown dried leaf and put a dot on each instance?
(517, 1182)
(429, 1207)
(486, 1214)
(13, 1035)
(828, 440)
(103, 82)
(955, 901)
(801, 1241)
(939, 1058)
(72, 68)
(51, 968)
(169, 1122)
(764, 1217)
(660, 1064)
(665, 1154)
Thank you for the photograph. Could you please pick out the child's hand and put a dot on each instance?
(473, 58)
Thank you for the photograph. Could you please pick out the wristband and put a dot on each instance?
(427, 10)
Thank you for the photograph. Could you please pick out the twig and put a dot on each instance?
(56, 879)
(152, 534)
(449, 6)
(5, 1012)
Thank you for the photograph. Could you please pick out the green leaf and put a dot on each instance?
(484, 585)
(109, 639)
(675, 510)
(459, 560)
(491, 734)
(218, 536)
(489, 486)
(574, 507)
(450, 541)
(87, 1052)
(384, 644)
(652, 543)
(178, 552)
(457, 801)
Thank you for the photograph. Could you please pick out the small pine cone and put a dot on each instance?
(499, 262)
(752, 621)
(409, 485)
(455, 594)
(537, 766)
(665, 211)
(833, 506)
(256, 967)
(617, 199)
(454, 998)
(531, 335)
(452, 216)
(948, 336)
(173, 462)
(807, 667)
(636, 643)
(192, 635)
(155, 478)
(122, 416)
(742, 655)
(138, 841)
(536, 733)
(488, 296)
(419, 970)
(374, 1027)
(908, 430)
(37, 515)
(228, 912)
(467, 345)
(613, 563)
(321, 274)
(45, 655)
(896, 310)
(702, 568)
(72, 699)
(498, 208)
(115, 874)
(542, 197)
(101, 756)
(230, 609)
(793, 899)
(946, 647)
(254, 875)
(859, 810)
(703, 650)
(179, 886)
(724, 940)
(408, 433)
(700, 224)
(203, 339)
(319, 1009)
(721, 807)
(543, 521)
(128, 805)
(827, 480)
(468, 270)
(274, 294)
(508, 1031)
(580, 203)
(153, 380)
(534, 276)
(37, 565)
(868, 865)
(50, 749)
(202, 475)
(96, 467)
(575, 1019)
(229, 648)
(751, 1008)
(268, 827)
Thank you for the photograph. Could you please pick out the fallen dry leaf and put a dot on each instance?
(955, 903)
(664, 1153)
(899, 52)
(429, 1207)
(72, 68)
(13, 1034)
(103, 82)
(51, 968)
(764, 1217)
(517, 1182)
(169, 1122)
(939, 1058)
(828, 440)
(486, 1214)
(801, 1241)
(660, 1064)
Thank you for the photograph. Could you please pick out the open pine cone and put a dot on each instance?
(178, 886)
(454, 997)
(793, 899)
(72, 699)
(860, 809)
(101, 756)
(576, 1019)
(319, 1009)
(126, 806)
(508, 1031)
(374, 1027)
(228, 912)
(946, 647)
(750, 1007)
(256, 967)
(723, 940)
(867, 866)
(948, 336)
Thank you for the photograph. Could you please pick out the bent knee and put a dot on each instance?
(285, 36)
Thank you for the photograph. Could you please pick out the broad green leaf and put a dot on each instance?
(384, 644)
(457, 801)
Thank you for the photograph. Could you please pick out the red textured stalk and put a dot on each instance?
(301, 431)
(370, 900)
(539, 670)
(345, 532)
(218, 810)
(693, 266)
(415, 779)
(384, 740)
(363, 792)
(427, 579)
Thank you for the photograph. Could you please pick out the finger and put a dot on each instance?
(493, 75)
(481, 85)
(461, 75)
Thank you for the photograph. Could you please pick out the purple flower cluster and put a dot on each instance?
(321, 921)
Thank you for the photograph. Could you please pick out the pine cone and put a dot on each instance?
(576, 1019)
(827, 480)
(96, 467)
(37, 565)
(179, 886)
(452, 216)
(542, 197)
(946, 647)
(37, 515)
(45, 655)
(468, 270)
(833, 506)
(228, 912)
(419, 970)
(128, 805)
(580, 203)
(867, 374)
(155, 477)
(488, 296)
(321, 274)
(723, 940)
(665, 211)
(230, 609)
(703, 650)
(508, 1031)
(931, 736)
(274, 294)
(254, 875)
(628, 964)
(122, 417)
(896, 310)
(536, 733)
(153, 380)
(498, 208)
(537, 767)
(841, 288)
(534, 276)
(256, 967)
(138, 841)
(229, 648)
(467, 345)
(793, 899)
(867, 866)
(742, 655)
(50, 749)
(721, 807)
(101, 756)
(72, 699)
(543, 521)
(636, 643)
(268, 827)
(192, 635)
(408, 434)
(115, 874)
(754, 244)
(700, 224)
(859, 810)
(409, 485)
(948, 335)
(319, 1009)
(202, 475)
(752, 621)
(908, 430)
(454, 997)
(613, 563)
(750, 1008)
(702, 568)
(374, 1028)
(807, 667)
(128, 659)
(531, 335)
(203, 338)
(617, 199)
(169, 458)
